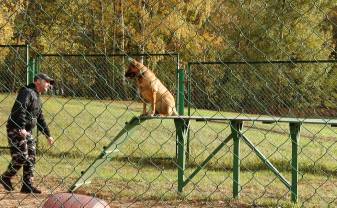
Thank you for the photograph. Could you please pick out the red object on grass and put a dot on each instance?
(71, 200)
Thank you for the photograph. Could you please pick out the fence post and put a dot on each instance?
(28, 64)
(178, 82)
(188, 109)
(295, 137)
(180, 134)
(30, 72)
(189, 89)
(180, 98)
(236, 127)
(182, 106)
(181, 92)
(37, 65)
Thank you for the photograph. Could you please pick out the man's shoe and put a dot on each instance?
(29, 189)
(6, 183)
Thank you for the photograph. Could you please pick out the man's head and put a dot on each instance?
(43, 82)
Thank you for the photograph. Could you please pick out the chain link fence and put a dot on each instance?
(14, 64)
(294, 88)
(242, 59)
(13, 73)
(102, 76)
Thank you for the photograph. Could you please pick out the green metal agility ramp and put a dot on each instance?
(107, 154)
(236, 135)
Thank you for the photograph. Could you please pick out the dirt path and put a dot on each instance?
(53, 185)
(17, 200)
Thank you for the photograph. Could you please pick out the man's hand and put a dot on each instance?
(24, 133)
(50, 141)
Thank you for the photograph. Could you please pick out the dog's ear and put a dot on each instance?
(131, 60)
(136, 63)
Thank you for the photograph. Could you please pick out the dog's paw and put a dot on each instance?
(152, 114)
(143, 114)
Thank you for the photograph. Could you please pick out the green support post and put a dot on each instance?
(30, 72)
(37, 65)
(181, 129)
(189, 89)
(295, 129)
(188, 109)
(236, 127)
(177, 82)
(181, 92)
(181, 110)
(27, 64)
(181, 97)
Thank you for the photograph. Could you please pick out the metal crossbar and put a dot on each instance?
(263, 62)
(252, 119)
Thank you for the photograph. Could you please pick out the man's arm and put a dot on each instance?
(42, 125)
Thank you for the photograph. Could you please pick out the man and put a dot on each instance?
(25, 114)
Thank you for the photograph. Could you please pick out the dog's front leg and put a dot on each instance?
(153, 103)
(144, 108)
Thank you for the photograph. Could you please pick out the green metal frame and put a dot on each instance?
(182, 139)
(236, 127)
(182, 125)
(295, 129)
(32, 70)
(181, 133)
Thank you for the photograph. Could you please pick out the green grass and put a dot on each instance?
(145, 168)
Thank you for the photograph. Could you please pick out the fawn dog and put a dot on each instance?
(151, 90)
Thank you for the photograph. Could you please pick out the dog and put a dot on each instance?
(151, 90)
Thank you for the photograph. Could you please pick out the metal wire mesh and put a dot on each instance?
(13, 73)
(245, 60)
(13, 59)
(280, 88)
(102, 76)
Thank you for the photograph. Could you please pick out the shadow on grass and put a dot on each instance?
(282, 166)
(170, 163)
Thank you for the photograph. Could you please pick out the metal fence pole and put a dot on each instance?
(295, 129)
(188, 109)
(28, 64)
(179, 123)
(30, 73)
(236, 127)
(181, 94)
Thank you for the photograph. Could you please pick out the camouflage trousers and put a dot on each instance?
(23, 151)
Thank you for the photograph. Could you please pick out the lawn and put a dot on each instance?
(145, 169)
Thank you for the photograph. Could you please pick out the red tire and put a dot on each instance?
(70, 200)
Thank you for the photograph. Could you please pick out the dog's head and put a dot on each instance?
(135, 69)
